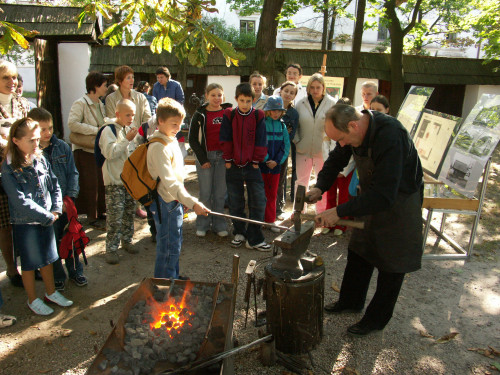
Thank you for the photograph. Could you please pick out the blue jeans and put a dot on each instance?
(235, 179)
(168, 238)
(73, 264)
(212, 192)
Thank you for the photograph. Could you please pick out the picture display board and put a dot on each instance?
(433, 136)
(334, 85)
(410, 111)
(473, 146)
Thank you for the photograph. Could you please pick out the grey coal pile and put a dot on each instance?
(167, 326)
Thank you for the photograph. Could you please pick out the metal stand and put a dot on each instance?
(454, 206)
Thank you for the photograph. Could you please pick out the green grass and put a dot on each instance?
(29, 94)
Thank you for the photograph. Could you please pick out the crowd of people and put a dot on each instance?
(246, 146)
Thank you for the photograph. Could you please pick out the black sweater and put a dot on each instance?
(397, 167)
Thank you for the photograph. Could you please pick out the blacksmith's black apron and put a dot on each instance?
(392, 239)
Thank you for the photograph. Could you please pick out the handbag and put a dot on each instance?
(82, 140)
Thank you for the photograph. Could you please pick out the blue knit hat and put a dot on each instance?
(274, 103)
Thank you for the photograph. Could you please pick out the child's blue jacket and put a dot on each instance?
(278, 145)
(33, 192)
(60, 157)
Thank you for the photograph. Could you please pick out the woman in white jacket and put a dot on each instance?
(311, 131)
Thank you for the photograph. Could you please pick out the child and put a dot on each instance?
(288, 92)
(35, 203)
(204, 140)
(60, 158)
(120, 206)
(167, 164)
(380, 104)
(339, 191)
(278, 147)
(258, 82)
(243, 141)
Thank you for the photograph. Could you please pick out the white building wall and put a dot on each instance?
(28, 73)
(229, 84)
(74, 63)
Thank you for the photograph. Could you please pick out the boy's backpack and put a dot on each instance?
(135, 175)
(99, 157)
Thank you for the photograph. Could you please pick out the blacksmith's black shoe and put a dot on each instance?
(337, 308)
(361, 329)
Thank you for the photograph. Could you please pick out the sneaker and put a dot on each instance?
(7, 320)
(280, 215)
(141, 214)
(184, 278)
(112, 257)
(223, 233)
(238, 240)
(79, 280)
(98, 224)
(39, 308)
(59, 285)
(16, 280)
(263, 246)
(58, 299)
(338, 232)
(129, 248)
(325, 230)
(201, 233)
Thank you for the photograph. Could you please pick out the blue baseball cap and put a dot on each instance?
(274, 103)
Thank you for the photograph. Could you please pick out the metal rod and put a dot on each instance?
(250, 220)
(215, 358)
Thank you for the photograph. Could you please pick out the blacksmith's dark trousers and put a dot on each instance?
(355, 283)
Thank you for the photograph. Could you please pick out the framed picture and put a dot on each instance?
(433, 136)
(411, 109)
(473, 146)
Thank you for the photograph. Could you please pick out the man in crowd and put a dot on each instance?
(389, 204)
(369, 90)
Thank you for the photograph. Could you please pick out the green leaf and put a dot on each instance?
(128, 36)
(6, 43)
(167, 43)
(110, 30)
(496, 365)
(156, 44)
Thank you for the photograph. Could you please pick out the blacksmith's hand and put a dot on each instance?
(327, 218)
(313, 195)
(200, 209)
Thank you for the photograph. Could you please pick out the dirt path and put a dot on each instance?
(443, 297)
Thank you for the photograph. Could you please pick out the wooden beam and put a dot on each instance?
(451, 204)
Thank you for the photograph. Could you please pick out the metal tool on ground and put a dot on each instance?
(345, 222)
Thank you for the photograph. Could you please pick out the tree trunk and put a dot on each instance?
(397, 38)
(397, 72)
(356, 50)
(331, 31)
(324, 37)
(265, 45)
(47, 81)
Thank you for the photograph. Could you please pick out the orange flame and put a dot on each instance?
(170, 314)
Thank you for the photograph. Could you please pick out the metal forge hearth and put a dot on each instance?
(169, 324)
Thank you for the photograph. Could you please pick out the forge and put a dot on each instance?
(167, 324)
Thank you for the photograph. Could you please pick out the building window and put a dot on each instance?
(383, 32)
(247, 27)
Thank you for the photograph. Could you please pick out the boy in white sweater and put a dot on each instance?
(167, 163)
(120, 206)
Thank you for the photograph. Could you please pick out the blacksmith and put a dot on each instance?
(390, 176)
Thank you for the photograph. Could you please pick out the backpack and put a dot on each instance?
(99, 157)
(135, 175)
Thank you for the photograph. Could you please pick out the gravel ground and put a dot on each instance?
(443, 297)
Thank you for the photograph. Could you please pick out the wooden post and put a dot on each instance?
(323, 66)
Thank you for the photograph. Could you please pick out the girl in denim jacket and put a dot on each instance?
(35, 203)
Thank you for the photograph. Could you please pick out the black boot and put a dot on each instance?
(338, 308)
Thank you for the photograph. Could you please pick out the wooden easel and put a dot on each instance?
(323, 66)
(453, 206)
